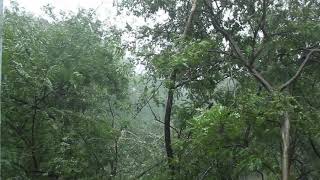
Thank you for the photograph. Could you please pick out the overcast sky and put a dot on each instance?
(104, 8)
(35, 5)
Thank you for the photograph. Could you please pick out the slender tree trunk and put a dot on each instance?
(114, 162)
(1, 30)
(285, 135)
(167, 119)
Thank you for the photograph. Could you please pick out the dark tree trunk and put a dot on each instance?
(167, 120)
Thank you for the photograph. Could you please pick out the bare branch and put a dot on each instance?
(206, 173)
(259, 77)
(299, 71)
(238, 51)
(226, 35)
(261, 26)
(158, 120)
(148, 99)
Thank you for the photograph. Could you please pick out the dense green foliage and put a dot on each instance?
(73, 108)
(59, 77)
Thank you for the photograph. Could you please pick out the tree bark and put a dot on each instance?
(167, 119)
(114, 162)
(1, 30)
(285, 135)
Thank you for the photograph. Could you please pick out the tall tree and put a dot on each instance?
(167, 117)
(259, 39)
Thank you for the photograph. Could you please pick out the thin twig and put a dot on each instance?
(158, 120)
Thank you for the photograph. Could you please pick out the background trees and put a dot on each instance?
(64, 83)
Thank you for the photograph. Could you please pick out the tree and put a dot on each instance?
(255, 39)
(59, 78)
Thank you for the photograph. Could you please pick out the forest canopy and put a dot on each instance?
(229, 90)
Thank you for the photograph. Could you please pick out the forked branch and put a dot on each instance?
(234, 45)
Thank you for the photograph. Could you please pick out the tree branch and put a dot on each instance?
(145, 103)
(238, 51)
(299, 71)
(261, 26)
(259, 77)
(315, 150)
(158, 120)
(18, 133)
